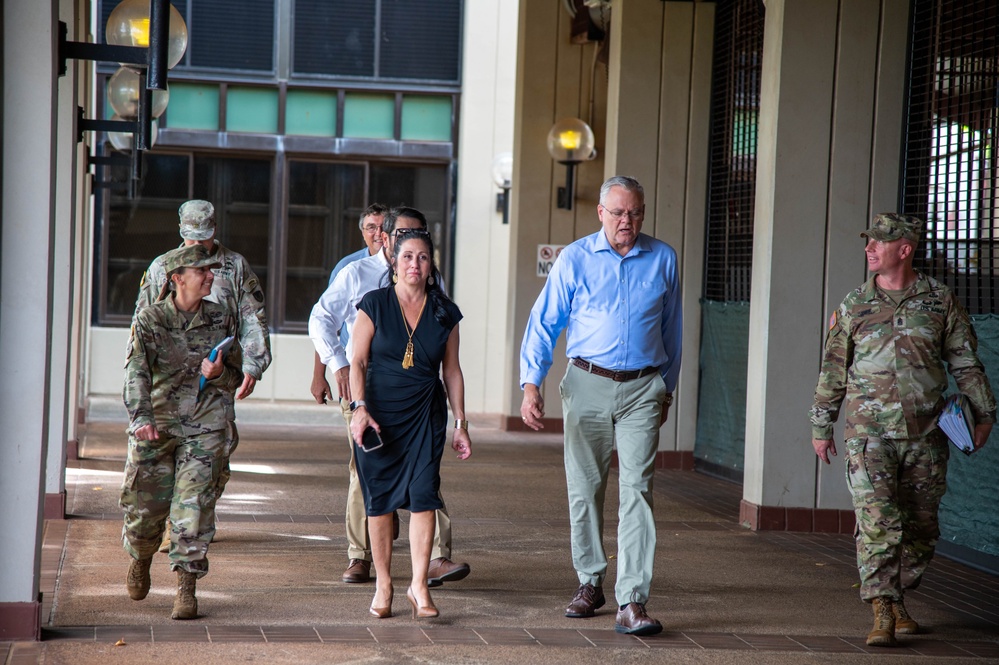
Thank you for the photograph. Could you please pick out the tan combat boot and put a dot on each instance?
(165, 543)
(904, 624)
(883, 633)
(137, 581)
(185, 606)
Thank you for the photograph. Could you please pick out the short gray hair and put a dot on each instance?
(623, 181)
(373, 209)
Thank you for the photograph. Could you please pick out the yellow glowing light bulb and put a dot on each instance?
(140, 31)
(570, 140)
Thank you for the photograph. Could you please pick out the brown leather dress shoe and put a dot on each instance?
(358, 571)
(585, 602)
(633, 620)
(443, 570)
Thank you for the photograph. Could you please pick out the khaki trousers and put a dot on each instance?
(598, 414)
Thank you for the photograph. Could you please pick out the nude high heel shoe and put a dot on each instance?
(383, 612)
(421, 611)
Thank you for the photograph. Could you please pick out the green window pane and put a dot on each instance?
(368, 116)
(426, 118)
(193, 106)
(251, 110)
(310, 113)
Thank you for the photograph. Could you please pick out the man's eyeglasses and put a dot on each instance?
(371, 229)
(630, 214)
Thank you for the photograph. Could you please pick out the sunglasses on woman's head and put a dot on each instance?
(410, 232)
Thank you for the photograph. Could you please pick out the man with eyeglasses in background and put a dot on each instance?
(370, 224)
(618, 293)
(336, 311)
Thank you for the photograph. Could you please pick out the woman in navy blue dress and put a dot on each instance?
(403, 336)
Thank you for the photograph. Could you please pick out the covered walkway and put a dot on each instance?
(724, 594)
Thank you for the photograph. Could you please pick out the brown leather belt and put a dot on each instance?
(627, 375)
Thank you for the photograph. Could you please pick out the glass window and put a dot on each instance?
(318, 228)
(416, 40)
(420, 40)
(421, 187)
(335, 37)
(141, 229)
(240, 190)
(324, 205)
(222, 34)
(232, 34)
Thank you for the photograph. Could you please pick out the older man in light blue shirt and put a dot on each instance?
(618, 293)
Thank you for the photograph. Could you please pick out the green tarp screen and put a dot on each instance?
(721, 405)
(968, 514)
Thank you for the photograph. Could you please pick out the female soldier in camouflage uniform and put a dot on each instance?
(177, 431)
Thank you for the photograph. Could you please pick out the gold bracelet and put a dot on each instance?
(461, 424)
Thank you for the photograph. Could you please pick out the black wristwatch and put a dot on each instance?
(356, 404)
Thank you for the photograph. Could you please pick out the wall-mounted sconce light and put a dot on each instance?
(570, 141)
(147, 37)
(503, 177)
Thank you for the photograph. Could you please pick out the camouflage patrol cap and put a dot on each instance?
(197, 220)
(888, 226)
(191, 256)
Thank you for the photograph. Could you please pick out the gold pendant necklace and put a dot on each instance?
(407, 359)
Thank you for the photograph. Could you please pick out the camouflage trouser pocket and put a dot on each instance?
(128, 482)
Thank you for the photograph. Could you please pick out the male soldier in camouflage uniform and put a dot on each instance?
(237, 288)
(885, 355)
(177, 432)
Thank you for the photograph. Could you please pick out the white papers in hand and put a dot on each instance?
(958, 423)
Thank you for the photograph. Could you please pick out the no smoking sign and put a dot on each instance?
(546, 257)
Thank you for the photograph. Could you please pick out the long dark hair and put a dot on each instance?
(435, 294)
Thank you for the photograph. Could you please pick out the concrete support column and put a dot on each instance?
(489, 79)
(659, 96)
(828, 158)
(635, 78)
(62, 415)
(792, 176)
(26, 283)
(681, 197)
(555, 79)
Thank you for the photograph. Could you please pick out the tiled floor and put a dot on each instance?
(952, 584)
(414, 636)
(967, 592)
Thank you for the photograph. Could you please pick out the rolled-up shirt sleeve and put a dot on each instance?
(328, 315)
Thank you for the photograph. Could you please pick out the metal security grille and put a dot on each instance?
(381, 39)
(735, 105)
(233, 35)
(949, 175)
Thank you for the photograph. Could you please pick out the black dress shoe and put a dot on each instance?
(358, 571)
(633, 620)
(587, 600)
